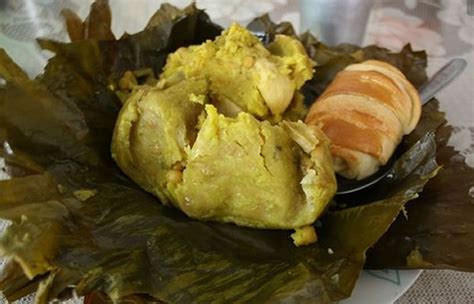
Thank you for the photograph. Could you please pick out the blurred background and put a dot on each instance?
(442, 27)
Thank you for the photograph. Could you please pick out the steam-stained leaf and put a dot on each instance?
(122, 242)
(265, 29)
(97, 25)
(439, 232)
(78, 221)
(9, 71)
(166, 13)
(74, 25)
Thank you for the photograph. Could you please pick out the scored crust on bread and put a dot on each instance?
(403, 84)
(375, 86)
(365, 112)
(362, 114)
(358, 111)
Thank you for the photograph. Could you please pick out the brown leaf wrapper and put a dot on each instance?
(80, 224)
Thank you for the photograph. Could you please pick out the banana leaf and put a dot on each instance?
(97, 25)
(80, 226)
(440, 230)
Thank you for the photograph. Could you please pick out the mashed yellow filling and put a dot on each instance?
(212, 139)
(242, 74)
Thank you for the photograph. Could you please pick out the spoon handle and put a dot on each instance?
(441, 79)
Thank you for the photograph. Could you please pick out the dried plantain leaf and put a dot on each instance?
(122, 242)
(119, 240)
(265, 29)
(97, 25)
(9, 71)
(439, 232)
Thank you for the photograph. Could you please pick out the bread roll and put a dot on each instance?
(365, 112)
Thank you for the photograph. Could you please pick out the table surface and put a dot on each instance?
(444, 28)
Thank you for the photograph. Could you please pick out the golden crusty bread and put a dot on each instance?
(400, 80)
(365, 112)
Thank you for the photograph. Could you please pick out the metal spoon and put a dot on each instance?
(439, 80)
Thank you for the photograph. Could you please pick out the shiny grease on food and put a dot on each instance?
(214, 138)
